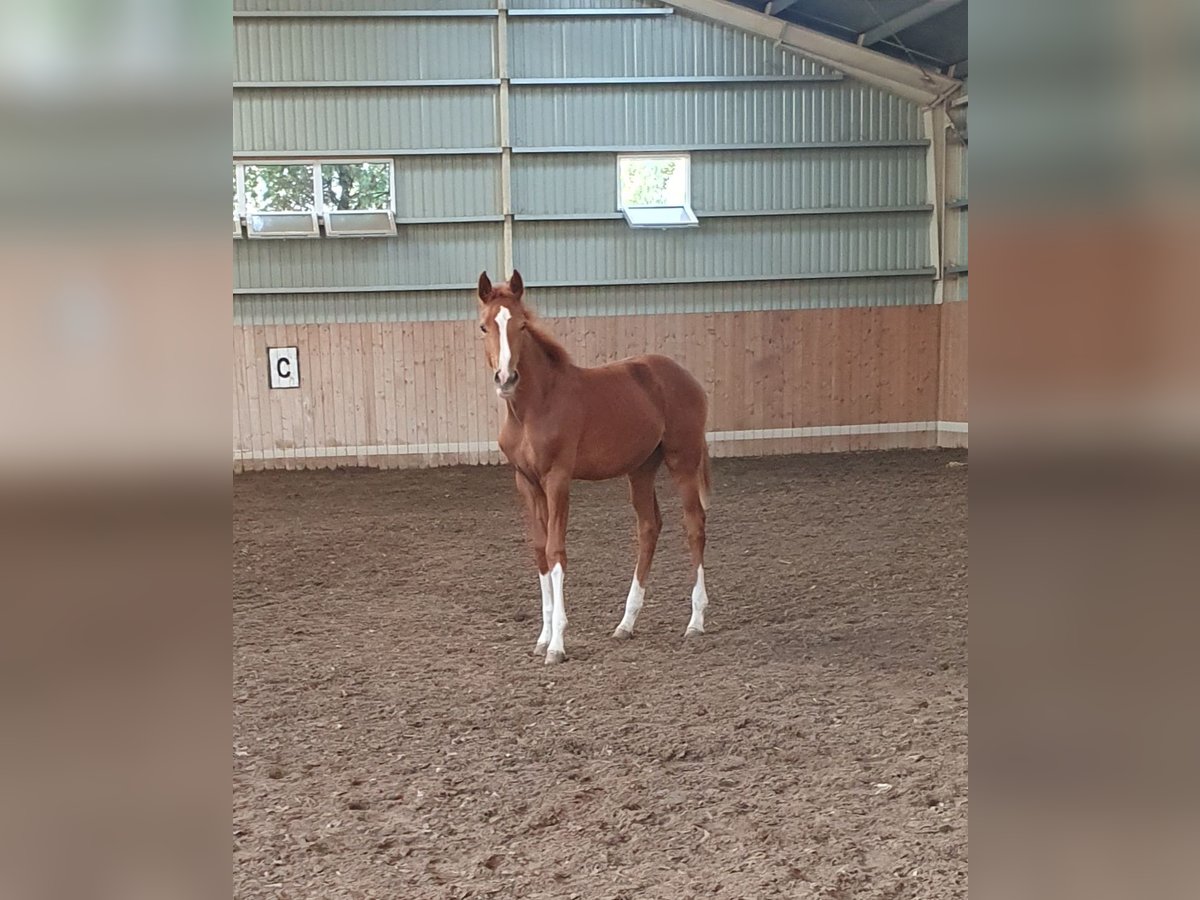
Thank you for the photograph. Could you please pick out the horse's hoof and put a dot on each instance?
(622, 634)
(555, 656)
(693, 632)
(539, 648)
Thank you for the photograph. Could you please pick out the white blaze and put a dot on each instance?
(502, 318)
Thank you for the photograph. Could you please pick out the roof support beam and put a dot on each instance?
(775, 7)
(893, 75)
(926, 10)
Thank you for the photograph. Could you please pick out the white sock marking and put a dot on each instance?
(558, 620)
(699, 602)
(502, 318)
(633, 605)
(547, 609)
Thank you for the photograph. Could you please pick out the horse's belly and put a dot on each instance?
(622, 426)
(608, 456)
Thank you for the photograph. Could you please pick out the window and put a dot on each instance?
(655, 190)
(357, 198)
(291, 199)
(279, 200)
(237, 204)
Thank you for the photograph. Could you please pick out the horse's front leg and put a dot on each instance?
(558, 501)
(535, 510)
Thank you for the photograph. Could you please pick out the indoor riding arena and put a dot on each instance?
(774, 198)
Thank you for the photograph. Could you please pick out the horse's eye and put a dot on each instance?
(483, 328)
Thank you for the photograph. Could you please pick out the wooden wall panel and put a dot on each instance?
(952, 375)
(418, 393)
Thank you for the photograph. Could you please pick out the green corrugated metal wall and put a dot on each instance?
(811, 188)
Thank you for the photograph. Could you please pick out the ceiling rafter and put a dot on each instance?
(924, 86)
(926, 10)
(774, 7)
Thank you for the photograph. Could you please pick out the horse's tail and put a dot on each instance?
(705, 476)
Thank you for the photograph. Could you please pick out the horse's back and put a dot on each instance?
(676, 393)
(677, 383)
(668, 387)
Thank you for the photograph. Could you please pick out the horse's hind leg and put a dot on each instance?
(690, 473)
(649, 524)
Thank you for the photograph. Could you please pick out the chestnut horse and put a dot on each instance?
(564, 421)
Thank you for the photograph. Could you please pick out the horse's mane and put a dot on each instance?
(555, 352)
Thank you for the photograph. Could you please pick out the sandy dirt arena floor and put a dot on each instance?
(394, 738)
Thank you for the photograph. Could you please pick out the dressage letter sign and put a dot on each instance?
(283, 364)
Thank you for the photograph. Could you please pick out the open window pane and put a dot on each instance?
(359, 223)
(655, 191)
(286, 224)
(357, 186)
(659, 216)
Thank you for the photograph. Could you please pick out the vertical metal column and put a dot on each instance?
(506, 206)
(934, 121)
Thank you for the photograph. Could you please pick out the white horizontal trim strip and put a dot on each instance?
(620, 282)
(361, 289)
(566, 217)
(813, 211)
(704, 148)
(371, 450)
(760, 434)
(674, 79)
(767, 434)
(368, 14)
(545, 13)
(248, 155)
(733, 213)
(806, 276)
(447, 220)
(409, 83)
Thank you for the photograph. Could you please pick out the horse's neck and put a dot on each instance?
(541, 379)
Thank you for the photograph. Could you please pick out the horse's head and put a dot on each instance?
(503, 320)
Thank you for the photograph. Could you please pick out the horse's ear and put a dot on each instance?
(485, 287)
(516, 285)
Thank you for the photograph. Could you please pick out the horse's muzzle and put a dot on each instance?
(507, 387)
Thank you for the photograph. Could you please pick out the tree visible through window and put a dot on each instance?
(357, 186)
(652, 181)
(279, 188)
